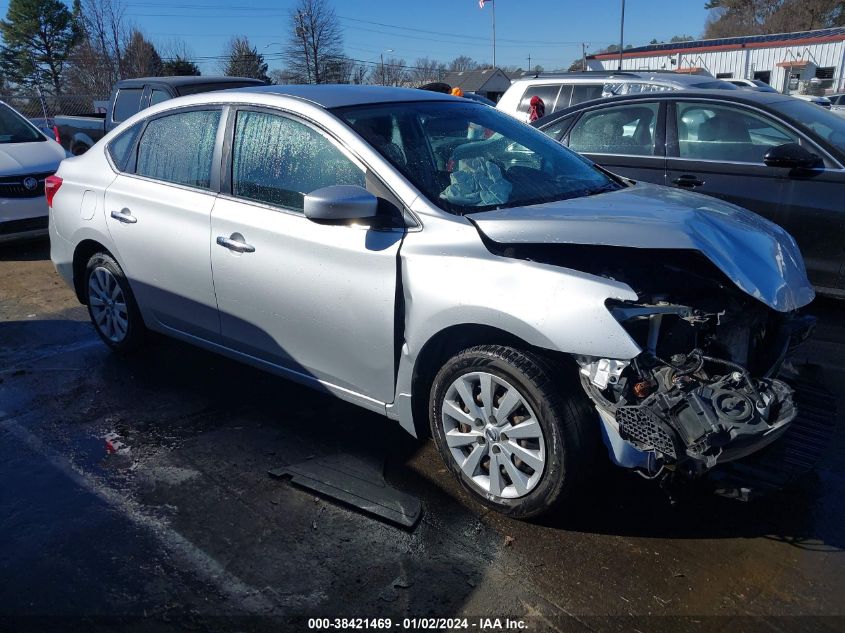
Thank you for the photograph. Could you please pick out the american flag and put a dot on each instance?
(481, 3)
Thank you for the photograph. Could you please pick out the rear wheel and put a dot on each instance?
(510, 430)
(111, 305)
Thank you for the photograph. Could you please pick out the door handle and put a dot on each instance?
(125, 216)
(235, 243)
(688, 182)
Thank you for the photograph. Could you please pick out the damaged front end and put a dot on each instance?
(703, 391)
(718, 292)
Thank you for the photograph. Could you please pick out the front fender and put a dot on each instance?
(449, 278)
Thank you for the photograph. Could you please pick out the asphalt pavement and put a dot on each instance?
(135, 496)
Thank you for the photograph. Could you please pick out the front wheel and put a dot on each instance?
(510, 430)
(111, 304)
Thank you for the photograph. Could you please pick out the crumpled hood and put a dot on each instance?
(757, 255)
(30, 158)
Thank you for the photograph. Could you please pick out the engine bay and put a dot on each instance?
(704, 390)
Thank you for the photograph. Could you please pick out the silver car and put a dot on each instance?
(440, 263)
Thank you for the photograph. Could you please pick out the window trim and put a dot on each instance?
(133, 151)
(141, 89)
(226, 165)
(673, 147)
(660, 145)
(214, 178)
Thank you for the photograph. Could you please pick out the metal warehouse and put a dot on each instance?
(808, 62)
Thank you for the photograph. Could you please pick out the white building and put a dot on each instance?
(809, 61)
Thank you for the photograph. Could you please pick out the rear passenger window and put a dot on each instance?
(586, 92)
(278, 161)
(157, 96)
(547, 93)
(120, 149)
(126, 103)
(626, 130)
(178, 148)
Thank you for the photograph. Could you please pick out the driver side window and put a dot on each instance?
(278, 160)
(726, 133)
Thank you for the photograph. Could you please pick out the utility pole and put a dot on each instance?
(583, 56)
(529, 62)
(482, 4)
(622, 35)
(493, 2)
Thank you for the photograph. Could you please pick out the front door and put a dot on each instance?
(158, 216)
(718, 150)
(626, 139)
(316, 299)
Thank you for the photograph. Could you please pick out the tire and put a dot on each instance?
(105, 281)
(561, 446)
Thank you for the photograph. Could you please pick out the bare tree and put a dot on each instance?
(729, 18)
(96, 62)
(391, 72)
(427, 70)
(315, 42)
(140, 58)
(462, 63)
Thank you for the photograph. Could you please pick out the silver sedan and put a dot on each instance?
(440, 263)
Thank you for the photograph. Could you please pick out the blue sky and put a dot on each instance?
(548, 30)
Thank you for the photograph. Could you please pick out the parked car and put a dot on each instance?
(27, 157)
(563, 90)
(775, 155)
(479, 98)
(78, 133)
(823, 102)
(438, 262)
(751, 84)
(837, 103)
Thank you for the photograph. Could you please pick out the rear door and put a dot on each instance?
(718, 149)
(627, 139)
(158, 215)
(316, 299)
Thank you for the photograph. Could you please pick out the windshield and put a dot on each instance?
(467, 157)
(830, 127)
(15, 129)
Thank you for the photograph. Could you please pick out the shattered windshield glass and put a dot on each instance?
(466, 157)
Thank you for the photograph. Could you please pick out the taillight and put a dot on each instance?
(51, 186)
(56, 134)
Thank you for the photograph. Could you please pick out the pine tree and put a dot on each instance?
(178, 66)
(38, 36)
(244, 60)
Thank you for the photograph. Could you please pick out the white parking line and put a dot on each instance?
(242, 595)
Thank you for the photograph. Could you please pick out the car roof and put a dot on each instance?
(342, 95)
(186, 80)
(668, 77)
(750, 97)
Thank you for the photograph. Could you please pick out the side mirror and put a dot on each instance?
(340, 202)
(792, 156)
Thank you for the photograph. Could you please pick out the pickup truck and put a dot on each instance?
(77, 134)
